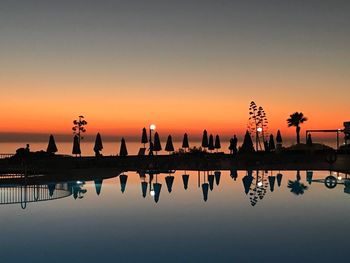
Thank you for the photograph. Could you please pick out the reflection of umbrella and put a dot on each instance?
(98, 186)
(279, 179)
(51, 187)
(123, 179)
(123, 151)
(144, 188)
(234, 174)
(272, 180)
(157, 187)
(185, 178)
(169, 182)
(211, 181)
(205, 188)
(309, 175)
(247, 181)
(217, 177)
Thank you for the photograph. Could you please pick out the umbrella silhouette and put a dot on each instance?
(157, 187)
(272, 180)
(98, 144)
(123, 179)
(217, 144)
(205, 139)
(279, 137)
(157, 146)
(234, 174)
(144, 188)
(123, 150)
(98, 185)
(211, 181)
(169, 147)
(247, 146)
(51, 187)
(205, 188)
(309, 175)
(279, 179)
(217, 177)
(211, 143)
(272, 146)
(51, 147)
(76, 145)
(169, 182)
(144, 138)
(247, 181)
(185, 144)
(185, 178)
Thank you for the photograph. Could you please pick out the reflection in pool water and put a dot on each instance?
(221, 216)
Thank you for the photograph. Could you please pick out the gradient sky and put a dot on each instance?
(184, 65)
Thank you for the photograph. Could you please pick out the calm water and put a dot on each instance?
(230, 226)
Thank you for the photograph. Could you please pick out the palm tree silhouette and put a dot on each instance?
(295, 120)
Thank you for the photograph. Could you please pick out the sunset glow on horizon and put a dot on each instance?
(183, 66)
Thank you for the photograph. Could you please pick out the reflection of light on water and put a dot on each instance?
(152, 193)
(260, 184)
(339, 177)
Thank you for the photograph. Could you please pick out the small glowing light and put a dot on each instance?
(259, 129)
(260, 184)
(339, 177)
(152, 127)
(79, 182)
(339, 129)
(152, 193)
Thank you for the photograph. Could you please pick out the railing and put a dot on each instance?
(6, 155)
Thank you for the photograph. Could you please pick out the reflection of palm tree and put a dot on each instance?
(296, 187)
(295, 120)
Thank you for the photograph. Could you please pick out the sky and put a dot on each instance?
(183, 65)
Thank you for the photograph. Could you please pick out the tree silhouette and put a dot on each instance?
(157, 146)
(295, 120)
(51, 147)
(185, 144)
(257, 123)
(123, 150)
(98, 144)
(144, 138)
(217, 144)
(79, 127)
(169, 147)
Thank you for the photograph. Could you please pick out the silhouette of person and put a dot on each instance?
(234, 144)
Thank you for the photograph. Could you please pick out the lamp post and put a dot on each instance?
(152, 127)
(258, 130)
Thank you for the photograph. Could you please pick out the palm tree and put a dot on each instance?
(295, 120)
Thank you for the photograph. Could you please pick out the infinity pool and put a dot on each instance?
(221, 217)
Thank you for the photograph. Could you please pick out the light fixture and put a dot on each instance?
(152, 127)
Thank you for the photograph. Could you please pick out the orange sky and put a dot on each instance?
(184, 68)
